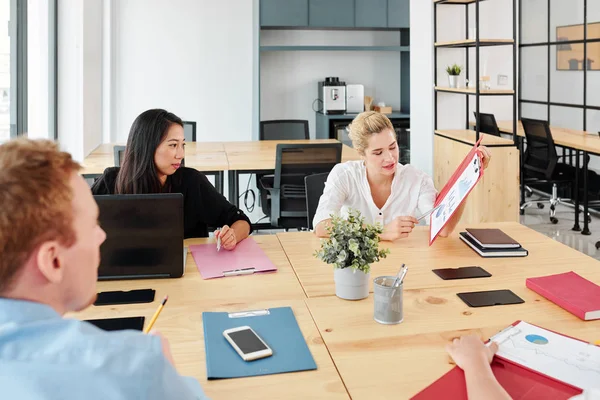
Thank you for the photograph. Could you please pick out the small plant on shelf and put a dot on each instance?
(453, 72)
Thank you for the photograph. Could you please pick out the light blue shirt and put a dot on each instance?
(45, 356)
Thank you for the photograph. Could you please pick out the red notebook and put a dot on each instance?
(570, 291)
(520, 382)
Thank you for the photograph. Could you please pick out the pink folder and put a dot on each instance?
(247, 258)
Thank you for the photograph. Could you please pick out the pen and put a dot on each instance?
(428, 212)
(219, 240)
(398, 276)
(156, 314)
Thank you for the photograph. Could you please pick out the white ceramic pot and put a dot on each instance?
(351, 284)
(453, 81)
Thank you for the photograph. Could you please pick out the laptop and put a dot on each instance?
(144, 236)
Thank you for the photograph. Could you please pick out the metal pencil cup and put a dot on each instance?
(388, 301)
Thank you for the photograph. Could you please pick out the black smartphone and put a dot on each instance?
(490, 298)
(120, 297)
(461, 273)
(119, 324)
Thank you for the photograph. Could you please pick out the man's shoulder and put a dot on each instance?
(79, 344)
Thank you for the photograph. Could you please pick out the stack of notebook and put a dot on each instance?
(492, 243)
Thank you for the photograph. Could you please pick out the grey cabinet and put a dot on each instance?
(283, 13)
(398, 13)
(371, 13)
(331, 13)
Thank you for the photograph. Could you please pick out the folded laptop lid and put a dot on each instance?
(144, 236)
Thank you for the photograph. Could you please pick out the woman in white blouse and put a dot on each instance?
(378, 186)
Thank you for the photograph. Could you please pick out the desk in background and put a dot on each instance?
(207, 157)
(586, 142)
(496, 196)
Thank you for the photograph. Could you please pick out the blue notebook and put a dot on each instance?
(276, 326)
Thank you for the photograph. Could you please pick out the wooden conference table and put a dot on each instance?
(356, 356)
(584, 141)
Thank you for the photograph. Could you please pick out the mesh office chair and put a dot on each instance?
(189, 131)
(284, 129)
(314, 184)
(119, 155)
(487, 123)
(541, 166)
(284, 193)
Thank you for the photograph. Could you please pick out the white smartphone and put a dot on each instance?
(247, 343)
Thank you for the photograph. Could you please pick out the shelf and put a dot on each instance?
(491, 92)
(455, 1)
(471, 43)
(336, 48)
(468, 136)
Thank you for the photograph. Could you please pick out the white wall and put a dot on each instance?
(80, 76)
(289, 79)
(191, 57)
(38, 59)
(421, 84)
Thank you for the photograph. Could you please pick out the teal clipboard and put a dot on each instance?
(276, 326)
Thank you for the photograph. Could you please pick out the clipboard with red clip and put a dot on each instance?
(521, 382)
(450, 185)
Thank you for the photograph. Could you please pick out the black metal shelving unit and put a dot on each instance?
(477, 44)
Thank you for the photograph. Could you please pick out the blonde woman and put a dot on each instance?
(378, 186)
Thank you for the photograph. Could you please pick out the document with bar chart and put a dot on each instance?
(560, 357)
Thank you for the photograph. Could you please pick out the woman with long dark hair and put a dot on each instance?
(152, 164)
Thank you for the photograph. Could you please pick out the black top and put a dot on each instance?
(203, 205)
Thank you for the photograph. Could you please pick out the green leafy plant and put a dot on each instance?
(352, 243)
(454, 69)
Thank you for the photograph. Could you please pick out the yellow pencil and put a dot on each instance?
(597, 342)
(156, 314)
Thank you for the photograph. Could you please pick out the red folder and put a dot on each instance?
(571, 292)
(520, 382)
(461, 168)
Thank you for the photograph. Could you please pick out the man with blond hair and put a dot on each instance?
(49, 257)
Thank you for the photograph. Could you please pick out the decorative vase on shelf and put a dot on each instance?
(351, 247)
(453, 81)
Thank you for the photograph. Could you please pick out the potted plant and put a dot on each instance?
(453, 72)
(351, 247)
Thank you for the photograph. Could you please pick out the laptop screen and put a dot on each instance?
(144, 236)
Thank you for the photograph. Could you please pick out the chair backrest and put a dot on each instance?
(299, 160)
(284, 129)
(315, 184)
(540, 155)
(189, 131)
(487, 123)
(119, 155)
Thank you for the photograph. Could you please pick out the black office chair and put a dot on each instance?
(541, 166)
(487, 123)
(283, 194)
(284, 129)
(314, 184)
(119, 155)
(189, 131)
